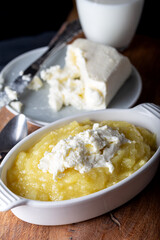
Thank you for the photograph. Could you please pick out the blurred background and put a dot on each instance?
(23, 18)
(26, 25)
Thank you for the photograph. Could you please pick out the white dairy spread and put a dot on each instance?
(92, 75)
(89, 149)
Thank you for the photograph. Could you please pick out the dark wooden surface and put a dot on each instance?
(139, 219)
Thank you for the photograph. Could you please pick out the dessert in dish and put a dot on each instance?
(91, 156)
(92, 75)
(100, 202)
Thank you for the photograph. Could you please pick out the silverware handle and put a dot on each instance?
(64, 35)
(56, 37)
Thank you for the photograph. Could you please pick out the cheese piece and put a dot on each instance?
(105, 66)
(35, 84)
(92, 75)
(12, 95)
(88, 149)
(16, 105)
(1, 82)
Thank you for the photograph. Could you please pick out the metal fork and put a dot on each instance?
(66, 33)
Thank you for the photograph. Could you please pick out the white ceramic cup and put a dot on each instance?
(110, 22)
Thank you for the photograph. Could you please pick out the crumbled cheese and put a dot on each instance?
(1, 82)
(17, 106)
(92, 75)
(12, 95)
(35, 84)
(89, 149)
(25, 77)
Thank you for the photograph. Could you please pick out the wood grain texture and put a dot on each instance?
(139, 219)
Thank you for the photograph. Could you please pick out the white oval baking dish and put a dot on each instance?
(90, 206)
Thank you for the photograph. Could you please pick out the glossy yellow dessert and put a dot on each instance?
(29, 177)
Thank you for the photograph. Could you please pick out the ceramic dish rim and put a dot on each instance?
(43, 123)
(62, 203)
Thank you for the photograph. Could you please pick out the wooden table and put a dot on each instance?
(139, 219)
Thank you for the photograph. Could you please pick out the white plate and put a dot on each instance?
(36, 107)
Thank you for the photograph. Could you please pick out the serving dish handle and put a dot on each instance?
(8, 199)
(149, 108)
